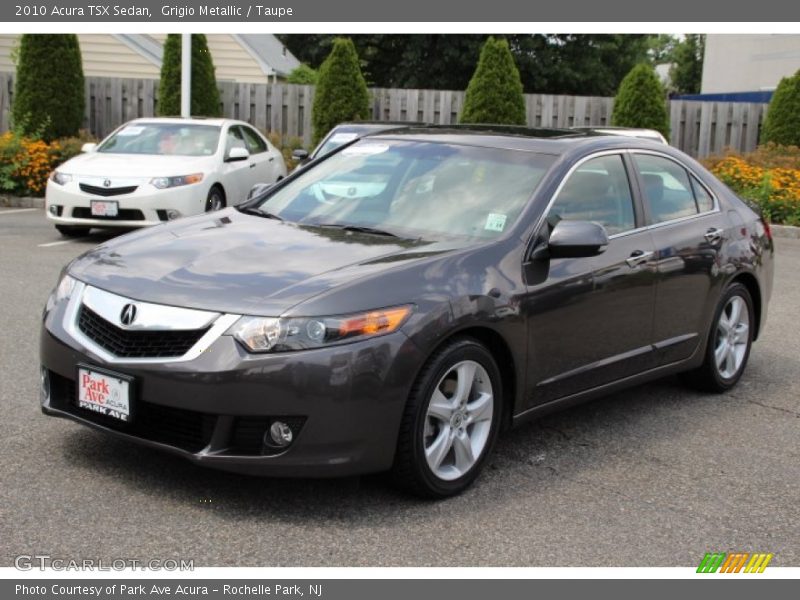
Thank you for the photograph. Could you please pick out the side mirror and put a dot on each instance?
(577, 239)
(237, 153)
(258, 189)
(300, 154)
(88, 147)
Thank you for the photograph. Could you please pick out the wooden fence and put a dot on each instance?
(699, 128)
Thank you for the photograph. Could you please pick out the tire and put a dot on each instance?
(215, 199)
(73, 231)
(443, 446)
(728, 347)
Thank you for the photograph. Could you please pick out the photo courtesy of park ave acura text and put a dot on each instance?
(399, 299)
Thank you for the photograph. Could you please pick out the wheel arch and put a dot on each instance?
(500, 350)
(749, 281)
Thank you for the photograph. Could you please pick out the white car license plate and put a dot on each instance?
(104, 208)
(104, 393)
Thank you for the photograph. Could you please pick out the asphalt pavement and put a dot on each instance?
(655, 476)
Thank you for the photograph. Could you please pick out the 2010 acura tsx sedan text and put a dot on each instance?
(397, 304)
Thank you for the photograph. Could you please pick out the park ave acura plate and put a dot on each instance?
(104, 392)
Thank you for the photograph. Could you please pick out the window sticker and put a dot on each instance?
(132, 130)
(495, 222)
(365, 149)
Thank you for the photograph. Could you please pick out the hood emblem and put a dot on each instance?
(107, 183)
(128, 314)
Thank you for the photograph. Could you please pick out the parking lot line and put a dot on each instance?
(59, 243)
(16, 211)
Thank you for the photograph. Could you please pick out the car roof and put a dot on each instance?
(511, 137)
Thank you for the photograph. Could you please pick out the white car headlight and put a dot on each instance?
(60, 178)
(270, 334)
(163, 183)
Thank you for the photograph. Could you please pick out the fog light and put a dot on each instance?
(44, 386)
(279, 434)
(173, 214)
(53, 209)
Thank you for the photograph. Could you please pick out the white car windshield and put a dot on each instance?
(164, 139)
(413, 189)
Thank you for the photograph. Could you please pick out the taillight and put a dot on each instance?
(767, 229)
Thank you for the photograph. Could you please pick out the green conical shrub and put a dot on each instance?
(782, 124)
(205, 94)
(341, 93)
(641, 101)
(49, 95)
(494, 94)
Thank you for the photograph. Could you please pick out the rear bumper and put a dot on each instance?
(344, 402)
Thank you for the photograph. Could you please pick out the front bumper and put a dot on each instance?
(345, 401)
(145, 206)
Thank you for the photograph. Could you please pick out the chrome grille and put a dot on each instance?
(136, 344)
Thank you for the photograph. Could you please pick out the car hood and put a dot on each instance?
(243, 264)
(127, 166)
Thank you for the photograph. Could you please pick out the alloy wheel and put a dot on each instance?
(732, 337)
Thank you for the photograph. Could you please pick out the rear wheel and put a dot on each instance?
(215, 199)
(729, 342)
(451, 421)
(73, 230)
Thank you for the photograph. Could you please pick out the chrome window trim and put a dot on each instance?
(629, 151)
(70, 323)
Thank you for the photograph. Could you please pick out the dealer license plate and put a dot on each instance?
(104, 393)
(104, 208)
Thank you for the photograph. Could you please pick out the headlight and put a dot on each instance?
(62, 292)
(268, 334)
(60, 178)
(163, 183)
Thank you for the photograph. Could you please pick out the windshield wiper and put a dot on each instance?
(359, 229)
(252, 210)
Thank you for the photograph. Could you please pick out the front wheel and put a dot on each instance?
(215, 199)
(451, 421)
(729, 342)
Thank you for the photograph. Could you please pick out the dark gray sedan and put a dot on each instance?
(400, 302)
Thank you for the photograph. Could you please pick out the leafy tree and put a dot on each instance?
(660, 48)
(641, 101)
(49, 95)
(782, 124)
(687, 71)
(494, 94)
(205, 94)
(303, 75)
(341, 93)
(555, 64)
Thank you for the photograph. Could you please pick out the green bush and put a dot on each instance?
(641, 102)
(49, 95)
(303, 75)
(782, 125)
(341, 93)
(205, 94)
(494, 94)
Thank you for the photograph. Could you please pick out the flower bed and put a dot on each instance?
(770, 176)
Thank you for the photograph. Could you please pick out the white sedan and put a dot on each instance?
(153, 170)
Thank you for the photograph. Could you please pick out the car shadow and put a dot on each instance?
(537, 455)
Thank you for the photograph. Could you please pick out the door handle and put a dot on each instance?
(638, 257)
(252, 165)
(271, 158)
(713, 235)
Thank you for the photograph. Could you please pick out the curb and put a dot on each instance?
(17, 202)
(785, 231)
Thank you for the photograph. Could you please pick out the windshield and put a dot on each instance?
(165, 139)
(413, 189)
